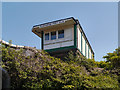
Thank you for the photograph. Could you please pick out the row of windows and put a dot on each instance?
(53, 35)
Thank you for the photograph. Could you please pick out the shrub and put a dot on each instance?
(45, 72)
(113, 58)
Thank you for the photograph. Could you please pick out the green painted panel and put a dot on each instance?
(75, 35)
(61, 48)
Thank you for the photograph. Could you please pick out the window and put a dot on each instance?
(47, 36)
(53, 35)
(61, 34)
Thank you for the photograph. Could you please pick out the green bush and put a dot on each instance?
(113, 58)
(45, 72)
(102, 64)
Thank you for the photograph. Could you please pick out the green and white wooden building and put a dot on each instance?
(60, 36)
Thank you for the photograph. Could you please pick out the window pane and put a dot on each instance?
(47, 36)
(61, 34)
(53, 35)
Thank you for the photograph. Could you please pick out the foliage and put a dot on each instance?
(113, 59)
(102, 64)
(80, 60)
(45, 72)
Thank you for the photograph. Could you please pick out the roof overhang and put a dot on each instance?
(37, 29)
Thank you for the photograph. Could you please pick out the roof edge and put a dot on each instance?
(56, 21)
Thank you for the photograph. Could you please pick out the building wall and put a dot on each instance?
(79, 39)
(89, 54)
(86, 50)
(68, 40)
(82, 44)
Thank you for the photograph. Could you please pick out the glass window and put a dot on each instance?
(46, 36)
(53, 35)
(61, 34)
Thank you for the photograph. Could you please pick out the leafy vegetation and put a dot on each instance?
(40, 70)
(113, 59)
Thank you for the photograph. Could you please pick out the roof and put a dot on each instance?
(37, 29)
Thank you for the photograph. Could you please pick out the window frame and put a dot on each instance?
(54, 35)
(59, 34)
(48, 36)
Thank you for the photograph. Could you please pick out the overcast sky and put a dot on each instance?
(99, 21)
